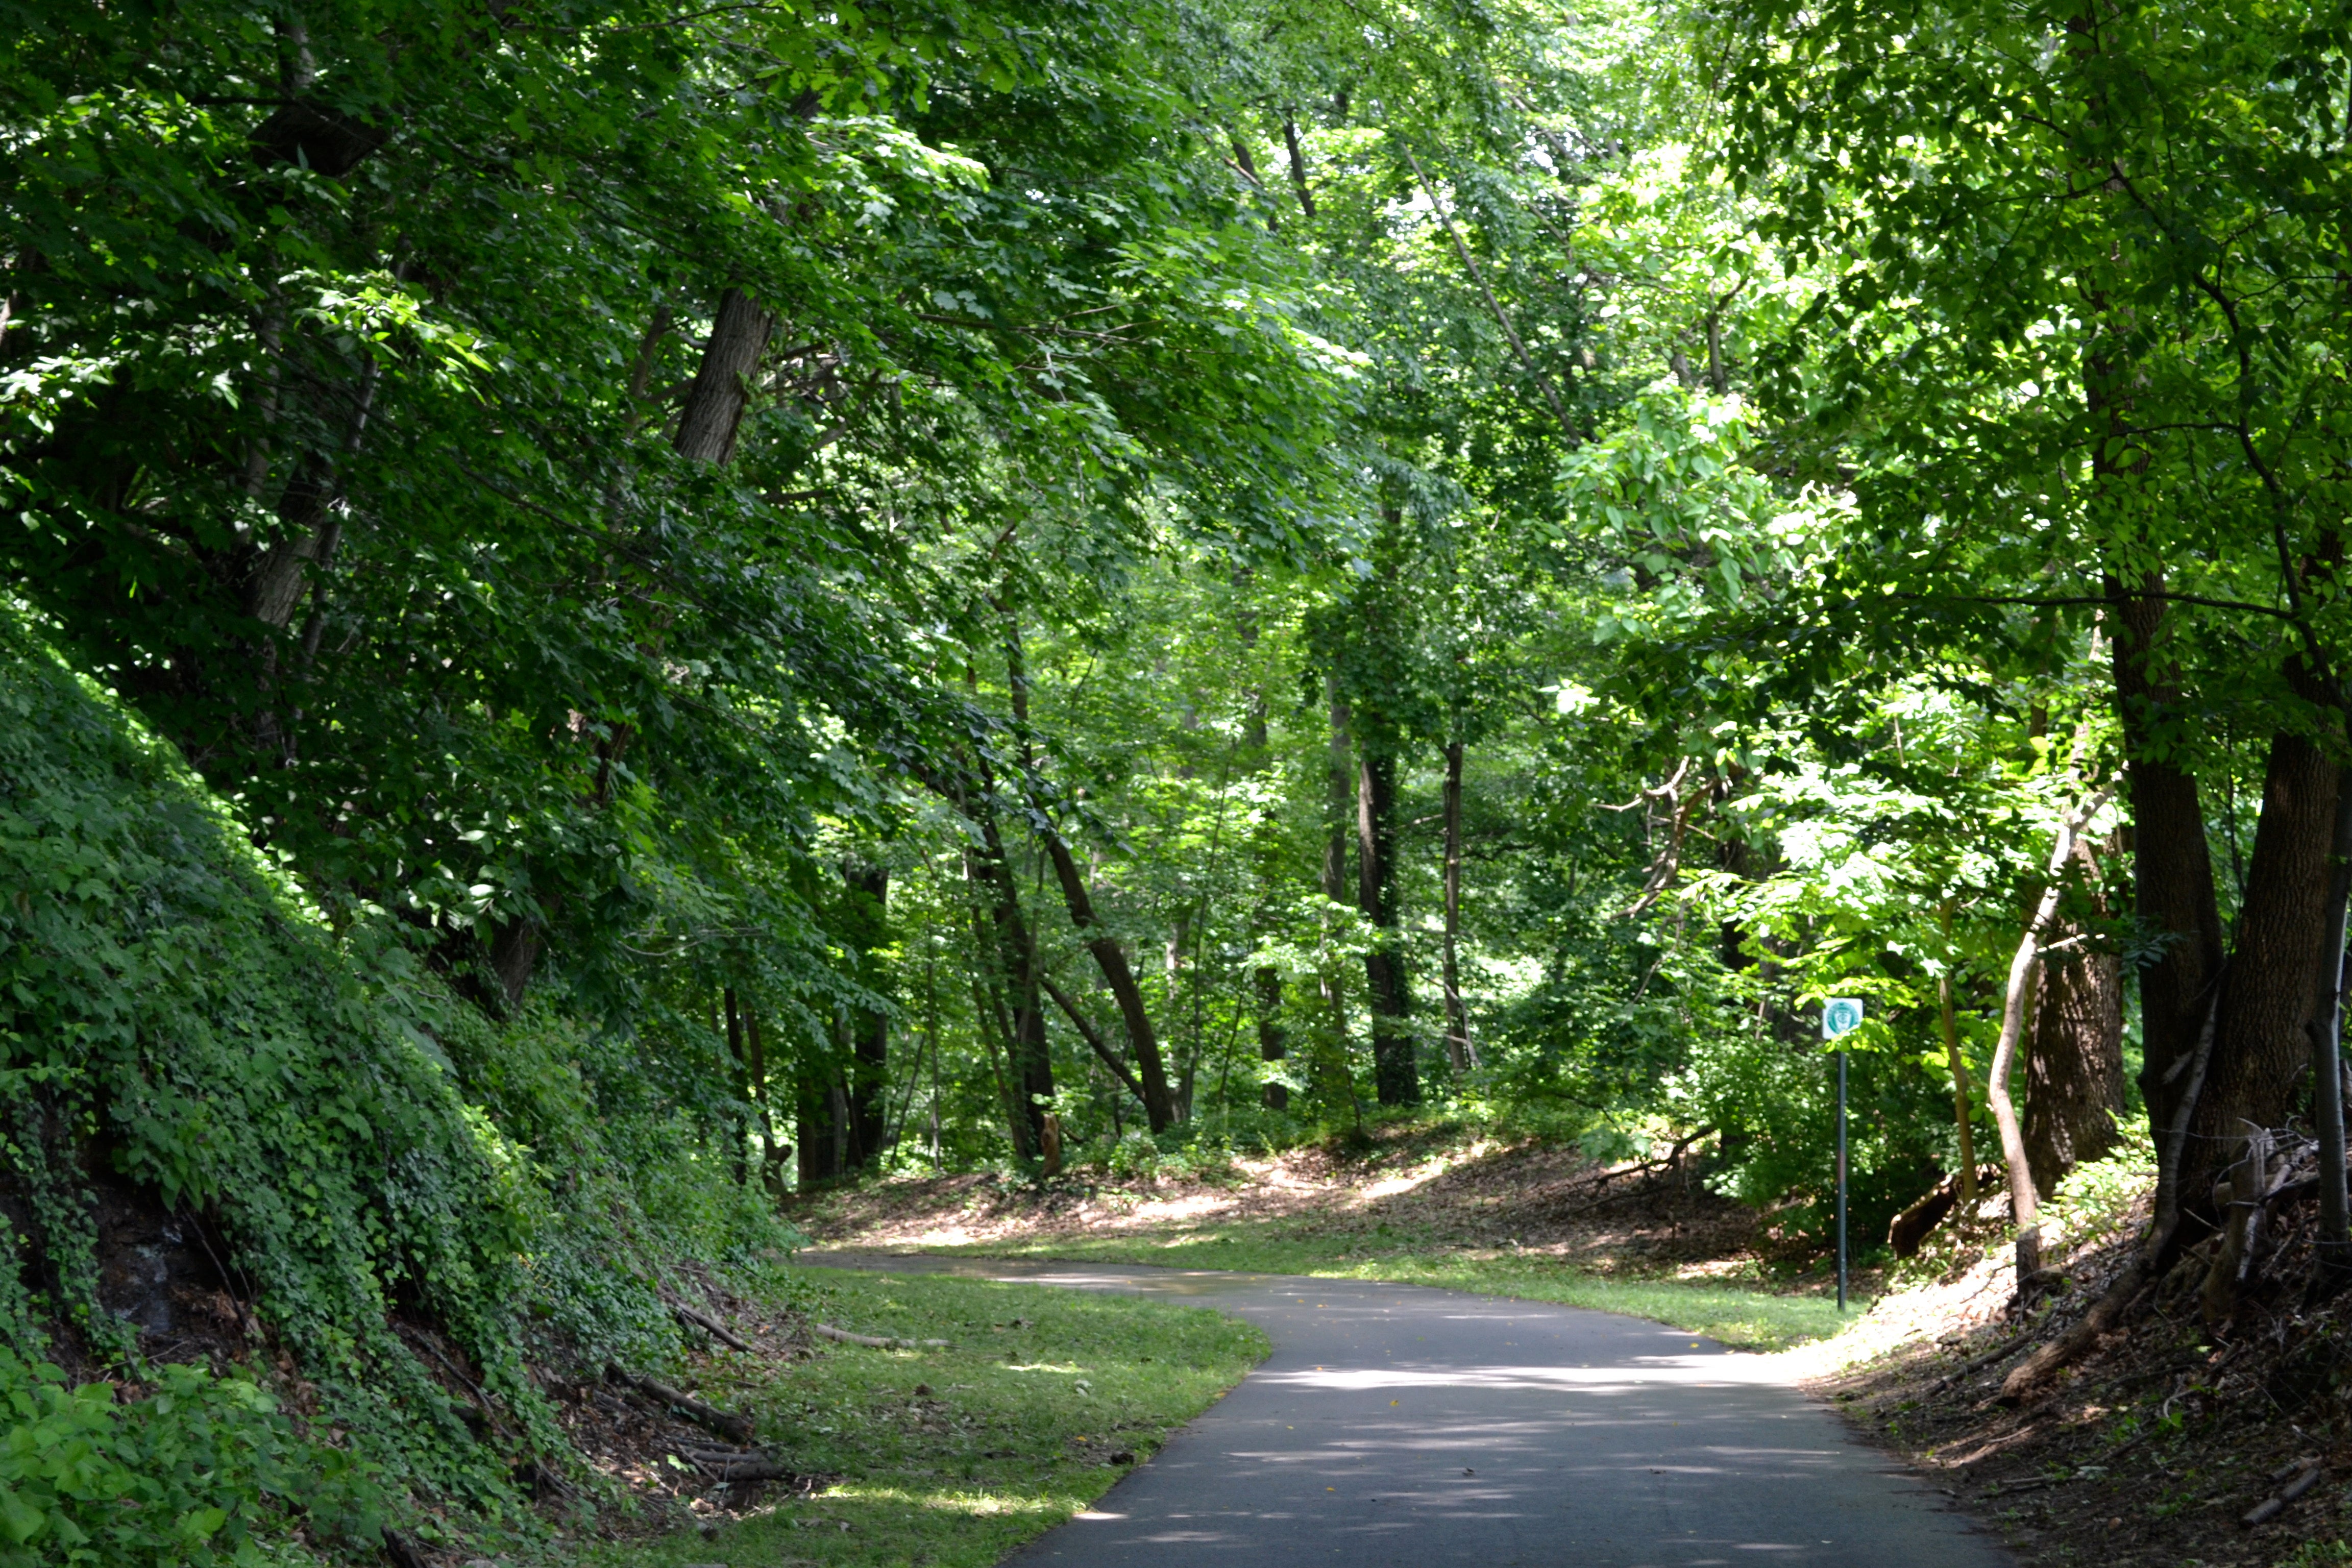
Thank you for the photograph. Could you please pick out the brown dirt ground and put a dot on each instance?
(2155, 1447)
(1425, 1188)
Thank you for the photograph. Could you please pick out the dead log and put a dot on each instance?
(874, 1342)
(726, 1423)
(737, 1464)
(708, 1325)
(1976, 1365)
(2270, 1508)
(1906, 1230)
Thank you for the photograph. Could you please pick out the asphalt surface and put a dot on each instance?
(1399, 1426)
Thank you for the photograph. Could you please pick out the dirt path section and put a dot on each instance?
(1398, 1425)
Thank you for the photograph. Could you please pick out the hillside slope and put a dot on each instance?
(270, 1194)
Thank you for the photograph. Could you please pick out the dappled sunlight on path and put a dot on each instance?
(1409, 1426)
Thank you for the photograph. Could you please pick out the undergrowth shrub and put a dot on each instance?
(379, 1157)
(201, 1471)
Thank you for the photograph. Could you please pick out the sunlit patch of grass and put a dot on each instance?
(1034, 1393)
(1749, 1319)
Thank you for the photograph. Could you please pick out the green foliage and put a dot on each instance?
(365, 1142)
(197, 1471)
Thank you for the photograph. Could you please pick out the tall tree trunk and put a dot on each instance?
(1457, 1020)
(736, 1056)
(1110, 959)
(2073, 1063)
(868, 890)
(2334, 1240)
(706, 428)
(1031, 1062)
(1272, 1039)
(817, 1132)
(772, 1158)
(992, 1019)
(1339, 794)
(2173, 874)
(2262, 1039)
(1963, 1114)
(1339, 798)
(1396, 1076)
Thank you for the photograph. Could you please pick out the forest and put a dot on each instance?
(622, 610)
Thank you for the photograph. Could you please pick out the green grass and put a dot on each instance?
(1750, 1320)
(1036, 1390)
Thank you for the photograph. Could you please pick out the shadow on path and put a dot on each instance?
(1396, 1424)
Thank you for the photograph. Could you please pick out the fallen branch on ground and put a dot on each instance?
(737, 1464)
(708, 1325)
(876, 1342)
(726, 1423)
(2270, 1508)
(1976, 1365)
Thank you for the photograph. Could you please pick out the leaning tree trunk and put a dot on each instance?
(1031, 1065)
(1109, 955)
(2024, 1199)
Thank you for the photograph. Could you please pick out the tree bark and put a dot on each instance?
(1109, 955)
(2073, 1058)
(1032, 1065)
(2074, 1065)
(736, 1054)
(1963, 1114)
(818, 1132)
(1110, 959)
(2262, 1042)
(2173, 874)
(1395, 1074)
(1297, 166)
(1093, 1036)
(713, 414)
(1337, 801)
(2334, 1240)
(1457, 1019)
(868, 890)
(772, 1158)
(1272, 1039)
(1339, 794)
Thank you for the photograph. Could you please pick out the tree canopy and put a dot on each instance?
(949, 585)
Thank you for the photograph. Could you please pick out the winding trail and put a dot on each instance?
(1399, 1426)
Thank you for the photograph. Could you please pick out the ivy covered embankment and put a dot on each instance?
(287, 1265)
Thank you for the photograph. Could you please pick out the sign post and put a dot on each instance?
(1840, 1016)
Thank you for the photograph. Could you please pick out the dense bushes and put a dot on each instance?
(195, 1473)
(179, 1026)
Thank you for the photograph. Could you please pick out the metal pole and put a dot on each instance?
(1840, 1181)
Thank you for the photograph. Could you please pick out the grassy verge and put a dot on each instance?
(953, 1457)
(1751, 1319)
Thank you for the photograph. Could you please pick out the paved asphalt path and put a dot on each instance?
(1405, 1427)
